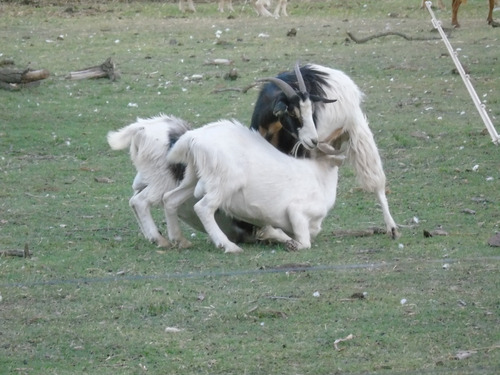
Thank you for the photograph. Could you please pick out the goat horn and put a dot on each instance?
(285, 87)
(300, 79)
(328, 149)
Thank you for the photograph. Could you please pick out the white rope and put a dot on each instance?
(465, 77)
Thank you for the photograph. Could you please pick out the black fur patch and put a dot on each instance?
(173, 138)
(177, 169)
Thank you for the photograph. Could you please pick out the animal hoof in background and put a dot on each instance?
(292, 245)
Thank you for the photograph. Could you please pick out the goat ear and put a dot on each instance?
(280, 108)
(315, 98)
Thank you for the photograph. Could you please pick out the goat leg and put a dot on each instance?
(300, 227)
(205, 209)
(172, 200)
(141, 208)
(392, 228)
(269, 233)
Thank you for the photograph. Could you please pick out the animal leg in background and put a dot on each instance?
(229, 5)
(260, 8)
(281, 6)
(190, 6)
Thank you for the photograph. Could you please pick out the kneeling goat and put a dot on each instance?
(232, 168)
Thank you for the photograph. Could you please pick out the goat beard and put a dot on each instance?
(296, 148)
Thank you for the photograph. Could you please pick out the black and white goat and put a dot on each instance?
(149, 141)
(280, 115)
(250, 180)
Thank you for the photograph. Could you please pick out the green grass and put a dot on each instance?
(96, 297)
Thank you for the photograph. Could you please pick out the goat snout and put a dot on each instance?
(310, 143)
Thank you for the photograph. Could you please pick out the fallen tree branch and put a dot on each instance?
(105, 70)
(244, 90)
(13, 79)
(388, 33)
(216, 91)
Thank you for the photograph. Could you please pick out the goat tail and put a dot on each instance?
(122, 138)
(364, 156)
(179, 153)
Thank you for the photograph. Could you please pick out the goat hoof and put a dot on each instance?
(292, 245)
(183, 244)
(393, 232)
(233, 250)
(163, 242)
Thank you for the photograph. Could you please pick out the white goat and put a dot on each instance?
(233, 168)
(190, 6)
(149, 141)
(259, 6)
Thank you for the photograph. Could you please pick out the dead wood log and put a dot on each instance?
(388, 33)
(13, 79)
(17, 253)
(10, 75)
(105, 70)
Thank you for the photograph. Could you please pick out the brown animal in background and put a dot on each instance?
(455, 4)
(454, 12)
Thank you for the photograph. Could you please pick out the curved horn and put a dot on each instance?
(285, 87)
(300, 79)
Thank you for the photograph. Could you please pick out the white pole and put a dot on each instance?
(465, 77)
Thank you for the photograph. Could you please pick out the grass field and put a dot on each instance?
(97, 298)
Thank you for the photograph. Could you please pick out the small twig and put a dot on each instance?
(285, 298)
(358, 233)
(237, 89)
(216, 91)
(338, 341)
(388, 33)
